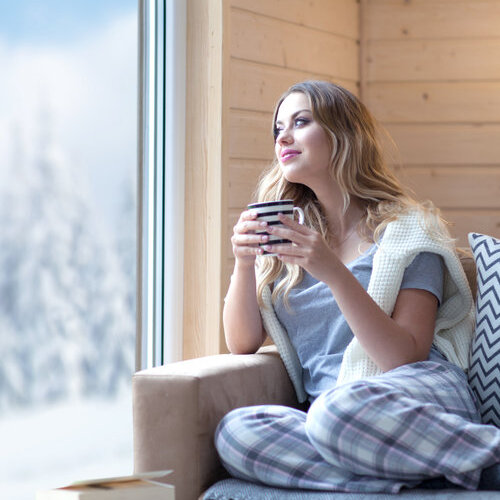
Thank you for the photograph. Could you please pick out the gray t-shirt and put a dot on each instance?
(317, 328)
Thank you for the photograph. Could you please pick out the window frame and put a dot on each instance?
(161, 183)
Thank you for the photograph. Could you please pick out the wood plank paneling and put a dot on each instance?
(257, 87)
(436, 144)
(274, 44)
(251, 135)
(243, 178)
(435, 102)
(403, 19)
(431, 74)
(272, 41)
(472, 221)
(433, 60)
(464, 187)
(333, 16)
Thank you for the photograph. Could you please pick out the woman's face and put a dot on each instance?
(302, 146)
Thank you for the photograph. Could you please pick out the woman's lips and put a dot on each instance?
(288, 154)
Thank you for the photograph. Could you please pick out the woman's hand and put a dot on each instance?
(308, 248)
(244, 240)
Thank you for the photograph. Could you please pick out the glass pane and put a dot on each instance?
(68, 105)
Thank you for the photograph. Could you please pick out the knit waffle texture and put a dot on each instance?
(280, 338)
(404, 238)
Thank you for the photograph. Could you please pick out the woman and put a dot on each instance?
(369, 308)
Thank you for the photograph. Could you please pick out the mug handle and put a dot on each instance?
(301, 214)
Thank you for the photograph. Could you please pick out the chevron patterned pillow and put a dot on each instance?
(484, 372)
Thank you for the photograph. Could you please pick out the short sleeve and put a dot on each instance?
(426, 272)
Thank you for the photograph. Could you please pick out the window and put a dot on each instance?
(68, 163)
(162, 136)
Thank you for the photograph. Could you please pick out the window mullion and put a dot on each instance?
(175, 110)
(162, 175)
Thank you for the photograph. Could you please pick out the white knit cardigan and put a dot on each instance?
(403, 239)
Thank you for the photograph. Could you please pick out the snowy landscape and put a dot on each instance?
(63, 443)
(68, 253)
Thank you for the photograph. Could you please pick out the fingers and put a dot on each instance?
(240, 252)
(247, 223)
(293, 224)
(247, 235)
(246, 227)
(284, 249)
(289, 233)
(304, 244)
(250, 235)
(249, 239)
(247, 246)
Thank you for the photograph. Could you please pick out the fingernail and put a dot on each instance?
(267, 247)
(263, 224)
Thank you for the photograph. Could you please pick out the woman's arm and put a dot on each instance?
(390, 341)
(241, 316)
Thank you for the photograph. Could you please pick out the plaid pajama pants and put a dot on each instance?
(379, 434)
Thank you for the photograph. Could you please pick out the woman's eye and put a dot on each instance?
(297, 122)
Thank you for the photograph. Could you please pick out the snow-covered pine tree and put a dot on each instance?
(68, 329)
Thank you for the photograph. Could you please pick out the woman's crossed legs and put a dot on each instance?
(412, 423)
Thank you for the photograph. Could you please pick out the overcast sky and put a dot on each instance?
(57, 21)
(71, 66)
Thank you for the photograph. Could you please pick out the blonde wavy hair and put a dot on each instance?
(356, 165)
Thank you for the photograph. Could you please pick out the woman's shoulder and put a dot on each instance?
(416, 229)
(418, 212)
(423, 220)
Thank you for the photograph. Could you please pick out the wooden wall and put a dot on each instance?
(241, 56)
(431, 74)
(428, 69)
(274, 44)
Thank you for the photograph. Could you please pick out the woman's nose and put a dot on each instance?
(284, 136)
